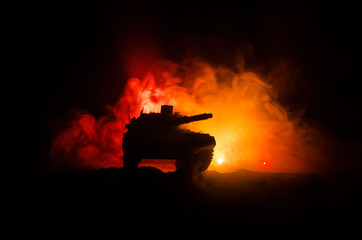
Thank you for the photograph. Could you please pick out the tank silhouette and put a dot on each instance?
(159, 136)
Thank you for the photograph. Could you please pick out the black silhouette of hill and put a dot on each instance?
(151, 203)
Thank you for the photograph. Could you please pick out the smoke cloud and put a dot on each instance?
(252, 129)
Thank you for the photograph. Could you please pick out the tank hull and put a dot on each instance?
(193, 152)
(159, 136)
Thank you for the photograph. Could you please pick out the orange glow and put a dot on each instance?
(248, 123)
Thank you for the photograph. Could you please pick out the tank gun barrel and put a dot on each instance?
(188, 119)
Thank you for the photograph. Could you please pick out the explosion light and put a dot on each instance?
(248, 123)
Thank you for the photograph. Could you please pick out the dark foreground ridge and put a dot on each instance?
(149, 203)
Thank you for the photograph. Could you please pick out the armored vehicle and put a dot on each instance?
(159, 136)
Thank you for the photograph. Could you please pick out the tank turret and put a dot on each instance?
(159, 136)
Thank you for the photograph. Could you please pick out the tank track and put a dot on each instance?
(194, 162)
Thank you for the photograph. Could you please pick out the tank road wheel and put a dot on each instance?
(195, 162)
(201, 160)
(181, 164)
(130, 162)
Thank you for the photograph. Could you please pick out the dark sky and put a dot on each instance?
(82, 50)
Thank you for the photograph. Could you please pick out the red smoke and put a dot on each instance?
(88, 143)
(251, 129)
